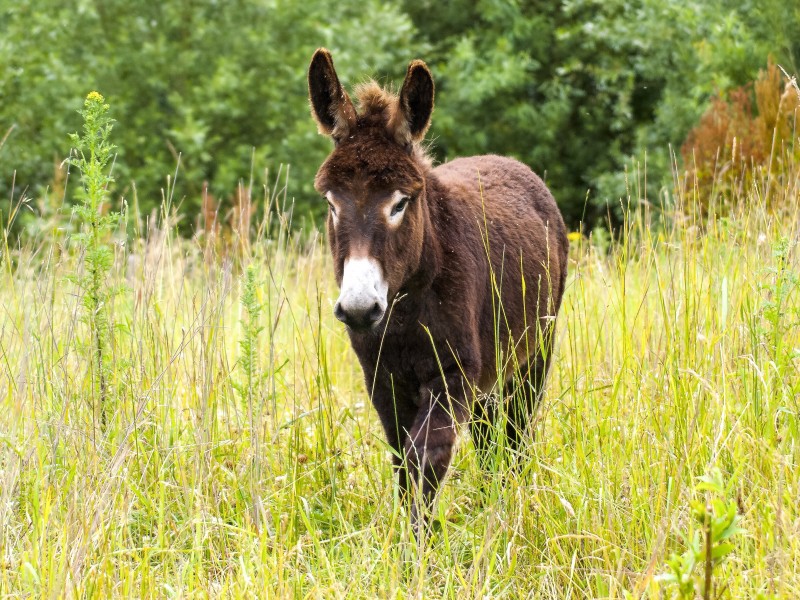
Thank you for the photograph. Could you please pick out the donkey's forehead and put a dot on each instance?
(368, 162)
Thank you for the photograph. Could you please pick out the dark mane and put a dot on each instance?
(375, 100)
(378, 105)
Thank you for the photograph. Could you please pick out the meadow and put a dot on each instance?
(231, 450)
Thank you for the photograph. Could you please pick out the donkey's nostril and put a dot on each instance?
(375, 313)
(339, 313)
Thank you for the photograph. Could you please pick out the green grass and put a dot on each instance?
(243, 458)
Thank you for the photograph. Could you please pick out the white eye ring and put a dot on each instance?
(395, 209)
(399, 206)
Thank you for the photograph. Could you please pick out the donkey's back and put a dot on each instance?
(513, 231)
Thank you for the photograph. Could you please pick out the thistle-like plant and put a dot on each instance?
(249, 385)
(91, 155)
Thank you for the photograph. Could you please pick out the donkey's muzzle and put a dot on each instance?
(360, 318)
(362, 301)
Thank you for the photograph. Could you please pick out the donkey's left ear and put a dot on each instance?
(413, 117)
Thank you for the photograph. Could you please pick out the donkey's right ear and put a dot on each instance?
(330, 104)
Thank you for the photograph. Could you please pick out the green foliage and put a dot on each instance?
(709, 543)
(93, 153)
(222, 85)
(578, 89)
(581, 89)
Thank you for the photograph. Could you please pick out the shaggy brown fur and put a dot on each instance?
(477, 267)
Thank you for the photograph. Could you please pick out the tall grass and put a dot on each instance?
(243, 458)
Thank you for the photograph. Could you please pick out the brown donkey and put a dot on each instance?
(451, 277)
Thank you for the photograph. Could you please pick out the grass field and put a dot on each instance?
(240, 456)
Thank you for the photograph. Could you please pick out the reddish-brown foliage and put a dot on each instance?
(737, 145)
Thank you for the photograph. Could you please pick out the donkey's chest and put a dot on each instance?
(407, 360)
(402, 362)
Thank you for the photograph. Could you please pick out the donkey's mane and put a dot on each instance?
(376, 101)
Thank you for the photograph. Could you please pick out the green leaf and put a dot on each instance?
(721, 550)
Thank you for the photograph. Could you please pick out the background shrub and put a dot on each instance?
(577, 89)
(745, 137)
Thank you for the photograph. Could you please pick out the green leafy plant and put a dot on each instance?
(715, 521)
(92, 154)
(248, 344)
(783, 282)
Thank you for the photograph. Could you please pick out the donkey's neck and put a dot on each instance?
(430, 263)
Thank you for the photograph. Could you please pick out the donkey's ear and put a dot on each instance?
(330, 104)
(411, 120)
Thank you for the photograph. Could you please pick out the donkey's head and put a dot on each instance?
(374, 183)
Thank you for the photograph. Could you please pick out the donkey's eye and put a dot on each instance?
(399, 207)
(332, 207)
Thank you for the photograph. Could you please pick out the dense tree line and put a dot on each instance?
(578, 89)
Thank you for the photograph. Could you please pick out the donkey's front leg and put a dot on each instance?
(431, 441)
(397, 414)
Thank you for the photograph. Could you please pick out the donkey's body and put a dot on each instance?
(448, 275)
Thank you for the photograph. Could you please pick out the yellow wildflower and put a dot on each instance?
(94, 97)
(574, 236)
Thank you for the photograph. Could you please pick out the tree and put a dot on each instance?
(218, 83)
(577, 89)
(580, 89)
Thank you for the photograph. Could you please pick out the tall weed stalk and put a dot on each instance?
(93, 151)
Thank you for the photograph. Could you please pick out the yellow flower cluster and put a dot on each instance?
(94, 97)
(574, 236)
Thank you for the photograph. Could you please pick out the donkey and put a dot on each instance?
(450, 277)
